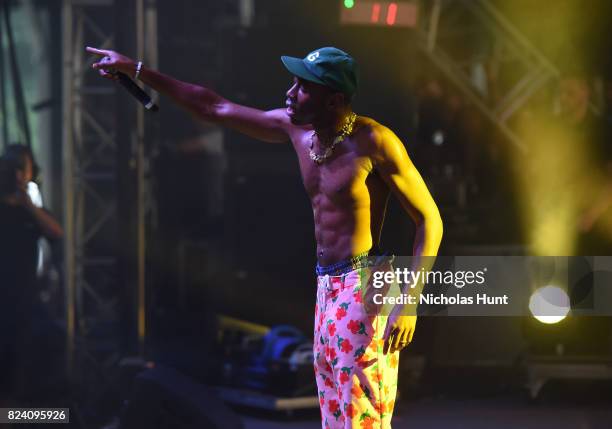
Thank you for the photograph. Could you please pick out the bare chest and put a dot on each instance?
(340, 177)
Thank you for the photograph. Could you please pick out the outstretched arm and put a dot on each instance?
(205, 104)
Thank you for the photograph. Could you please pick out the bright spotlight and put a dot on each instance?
(549, 304)
(349, 3)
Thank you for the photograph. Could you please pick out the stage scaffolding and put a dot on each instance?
(495, 44)
(104, 160)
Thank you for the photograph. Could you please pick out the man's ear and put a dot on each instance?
(335, 100)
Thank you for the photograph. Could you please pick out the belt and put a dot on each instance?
(371, 258)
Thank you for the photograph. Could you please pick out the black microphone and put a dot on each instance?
(136, 92)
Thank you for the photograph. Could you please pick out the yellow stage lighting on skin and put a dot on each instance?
(549, 304)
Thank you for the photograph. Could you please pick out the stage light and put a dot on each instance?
(349, 3)
(549, 304)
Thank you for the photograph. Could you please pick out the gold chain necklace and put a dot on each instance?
(345, 131)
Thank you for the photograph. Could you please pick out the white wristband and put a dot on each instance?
(138, 70)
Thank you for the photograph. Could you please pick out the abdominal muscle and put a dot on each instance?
(346, 227)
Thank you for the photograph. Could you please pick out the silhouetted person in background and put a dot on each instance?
(22, 223)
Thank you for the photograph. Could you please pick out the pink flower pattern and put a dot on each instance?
(349, 366)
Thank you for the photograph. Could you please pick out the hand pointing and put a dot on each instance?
(111, 62)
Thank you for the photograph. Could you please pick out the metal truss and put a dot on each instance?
(466, 37)
(89, 169)
(90, 185)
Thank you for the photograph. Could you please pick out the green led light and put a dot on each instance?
(349, 3)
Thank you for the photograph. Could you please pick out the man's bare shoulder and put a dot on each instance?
(280, 116)
(372, 135)
(294, 131)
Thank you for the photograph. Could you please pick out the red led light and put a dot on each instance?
(391, 13)
(375, 12)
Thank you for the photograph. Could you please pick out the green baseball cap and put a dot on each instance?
(326, 66)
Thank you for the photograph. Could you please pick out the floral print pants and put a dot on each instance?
(356, 382)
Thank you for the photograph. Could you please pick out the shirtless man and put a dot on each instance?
(349, 165)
